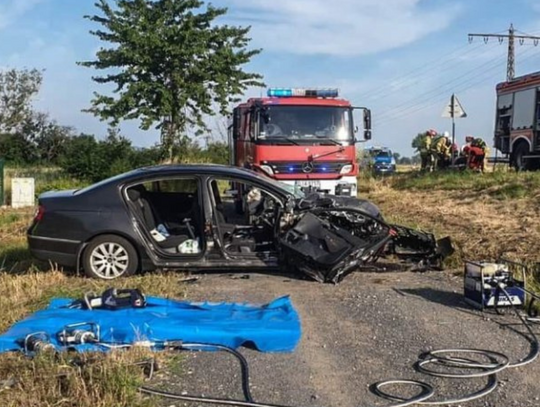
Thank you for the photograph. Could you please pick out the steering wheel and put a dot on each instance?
(273, 130)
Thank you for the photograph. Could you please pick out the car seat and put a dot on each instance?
(143, 208)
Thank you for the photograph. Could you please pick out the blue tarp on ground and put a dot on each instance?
(273, 327)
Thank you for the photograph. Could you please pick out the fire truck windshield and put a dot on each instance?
(306, 123)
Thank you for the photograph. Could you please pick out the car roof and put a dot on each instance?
(193, 168)
(171, 169)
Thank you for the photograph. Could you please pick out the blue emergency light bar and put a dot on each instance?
(302, 92)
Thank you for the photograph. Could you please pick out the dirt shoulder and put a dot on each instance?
(371, 327)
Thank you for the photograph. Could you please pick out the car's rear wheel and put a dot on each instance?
(108, 257)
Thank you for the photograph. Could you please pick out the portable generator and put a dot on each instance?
(483, 282)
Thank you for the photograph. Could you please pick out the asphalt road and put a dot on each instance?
(369, 328)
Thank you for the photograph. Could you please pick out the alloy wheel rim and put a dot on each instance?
(109, 260)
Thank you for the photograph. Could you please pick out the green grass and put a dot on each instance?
(499, 184)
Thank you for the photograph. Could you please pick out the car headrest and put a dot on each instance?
(134, 194)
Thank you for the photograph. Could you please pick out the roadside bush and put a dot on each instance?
(83, 159)
(89, 159)
(16, 149)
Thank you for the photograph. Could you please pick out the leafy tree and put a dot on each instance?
(171, 62)
(83, 159)
(17, 88)
(396, 156)
(417, 141)
(93, 160)
(217, 152)
(17, 149)
(49, 137)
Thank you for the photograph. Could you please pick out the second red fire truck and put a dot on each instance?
(517, 124)
(303, 137)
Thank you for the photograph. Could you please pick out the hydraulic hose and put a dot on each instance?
(442, 357)
(426, 389)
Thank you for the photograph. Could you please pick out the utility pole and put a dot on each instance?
(511, 36)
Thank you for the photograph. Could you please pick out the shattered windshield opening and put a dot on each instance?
(306, 123)
(288, 189)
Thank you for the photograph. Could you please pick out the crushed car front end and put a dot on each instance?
(329, 237)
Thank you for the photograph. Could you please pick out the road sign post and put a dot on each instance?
(452, 111)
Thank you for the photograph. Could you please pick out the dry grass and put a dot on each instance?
(87, 380)
(26, 286)
(482, 224)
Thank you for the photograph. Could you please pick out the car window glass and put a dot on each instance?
(185, 185)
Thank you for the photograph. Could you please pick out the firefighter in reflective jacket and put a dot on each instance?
(475, 158)
(481, 144)
(441, 151)
(424, 148)
(476, 152)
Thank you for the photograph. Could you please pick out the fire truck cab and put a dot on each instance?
(303, 137)
(517, 124)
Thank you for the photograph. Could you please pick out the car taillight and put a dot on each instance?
(39, 213)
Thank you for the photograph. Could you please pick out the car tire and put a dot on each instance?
(109, 257)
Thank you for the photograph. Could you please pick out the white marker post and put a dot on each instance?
(452, 111)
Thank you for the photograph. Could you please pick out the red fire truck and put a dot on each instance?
(303, 137)
(517, 125)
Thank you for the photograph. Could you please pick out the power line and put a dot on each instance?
(401, 78)
(445, 89)
(444, 86)
(424, 104)
(464, 87)
(414, 77)
(511, 36)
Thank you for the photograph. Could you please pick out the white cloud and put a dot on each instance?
(12, 10)
(339, 27)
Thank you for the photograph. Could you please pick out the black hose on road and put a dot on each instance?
(442, 357)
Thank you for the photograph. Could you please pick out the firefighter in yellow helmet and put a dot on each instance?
(441, 150)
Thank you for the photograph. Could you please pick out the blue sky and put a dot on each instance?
(401, 58)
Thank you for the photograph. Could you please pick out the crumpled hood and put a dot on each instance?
(317, 200)
(332, 236)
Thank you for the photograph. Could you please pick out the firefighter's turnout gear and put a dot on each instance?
(441, 151)
(424, 148)
(476, 151)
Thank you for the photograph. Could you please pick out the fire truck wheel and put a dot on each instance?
(518, 160)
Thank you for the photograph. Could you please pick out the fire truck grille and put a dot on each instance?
(306, 167)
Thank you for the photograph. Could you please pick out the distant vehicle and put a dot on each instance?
(517, 125)
(183, 217)
(380, 160)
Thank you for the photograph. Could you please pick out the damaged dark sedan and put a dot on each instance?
(210, 217)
